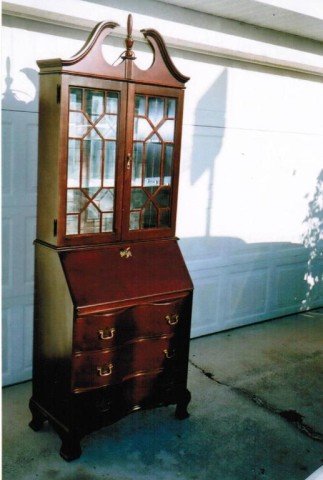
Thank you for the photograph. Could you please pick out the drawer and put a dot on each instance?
(97, 369)
(102, 331)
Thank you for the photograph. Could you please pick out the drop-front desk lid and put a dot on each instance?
(119, 273)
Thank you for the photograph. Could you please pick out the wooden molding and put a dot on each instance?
(90, 61)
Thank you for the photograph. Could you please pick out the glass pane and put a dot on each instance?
(78, 125)
(90, 220)
(166, 131)
(105, 199)
(90, 192)
(109, 164)
(112, 102)
(140, 105)
(138, 198)
(163, 197)
(107, 222)
(72, 224)
(142, 129)
(75, 200)
(153, 158)
(73, 168)
(151, 190)
(164, 220)
(107, 126)
(76, 99)
(168, 162)
(137, 164)
(149, 216)
(155, 109)
(94, 103)
(134, 220)
(92, 163)
(171, 106)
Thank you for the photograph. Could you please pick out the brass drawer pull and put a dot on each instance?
(172, 319)
(105, 370)
(106, 334)
(169, 355)
(125, 253)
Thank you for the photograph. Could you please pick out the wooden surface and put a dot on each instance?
(112, 320)
(99, 276)
(122, 325)
(89, 61)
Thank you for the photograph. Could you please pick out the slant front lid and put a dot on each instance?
(117, 273)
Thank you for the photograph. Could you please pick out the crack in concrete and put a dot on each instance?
(291, 416)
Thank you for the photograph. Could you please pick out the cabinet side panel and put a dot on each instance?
(49, 124)
(53, 329)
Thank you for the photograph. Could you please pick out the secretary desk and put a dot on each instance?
(113, 295)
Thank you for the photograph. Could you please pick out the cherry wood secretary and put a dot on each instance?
(113, 296)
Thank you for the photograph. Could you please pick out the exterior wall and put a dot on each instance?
(250, 184)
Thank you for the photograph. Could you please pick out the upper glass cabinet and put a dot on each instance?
(152, 164)
(91, 164)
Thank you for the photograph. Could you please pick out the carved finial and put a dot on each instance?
(129, 53)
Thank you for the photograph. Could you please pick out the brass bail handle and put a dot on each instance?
(107, 334)
(169, 355)
(105, 370)
(172, 319)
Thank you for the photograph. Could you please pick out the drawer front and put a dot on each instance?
(97, 332)
(93, 370)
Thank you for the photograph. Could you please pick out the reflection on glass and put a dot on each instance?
(171, 106)
(91, 171)
(107, 126)
(107, 222)
(142, 129)
(73, 164)
(155, 109)
(140, 105)
(168, 162)
(75, 200)
(90, 191)
(138, 198)
(105, 199)
(134, 220)
(167, 130)
(75, 99)
(151, 190)
(153, 159)
(164, 220)
(149, 216)
(90, 220)
(112, 102)
(94, 103)
(137, 164)
(109, 164)
(163, 197)
(78, 125)
(72, 224)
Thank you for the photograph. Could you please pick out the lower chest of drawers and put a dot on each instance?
(138, 345)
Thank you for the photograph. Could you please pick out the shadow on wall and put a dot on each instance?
(10, 100)
(313, 241)
(257, 280)
(206, 116)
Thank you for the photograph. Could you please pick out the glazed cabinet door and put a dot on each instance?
(93, 133)
(152, 149)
